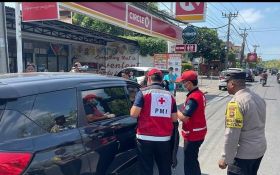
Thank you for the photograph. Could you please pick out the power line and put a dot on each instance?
(254, 38)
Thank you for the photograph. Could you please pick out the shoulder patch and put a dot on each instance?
(234, 118)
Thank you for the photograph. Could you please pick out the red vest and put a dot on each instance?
(155, 122)
(195, 128)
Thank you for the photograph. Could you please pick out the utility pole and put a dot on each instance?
(18, 37)
(255, 48)
(230, 17)
(4, 58)
(169, 43)
(244, 35)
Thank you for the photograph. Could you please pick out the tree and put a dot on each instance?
(149, 45)
(209, 46)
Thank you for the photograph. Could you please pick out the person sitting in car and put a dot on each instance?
(94, 110)
(59, 124)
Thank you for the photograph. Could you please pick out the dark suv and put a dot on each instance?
(49, 124)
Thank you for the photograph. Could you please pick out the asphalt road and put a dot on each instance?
(212, 146)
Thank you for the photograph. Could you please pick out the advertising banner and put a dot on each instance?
(39, 11)
(114, 57)
(161, 61)
(252, 57)
(164, 61)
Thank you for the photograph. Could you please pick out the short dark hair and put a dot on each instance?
(156, 77)
(194, 82)
(170, 68)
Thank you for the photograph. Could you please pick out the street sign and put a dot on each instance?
(186, 48)
(39, 11)
(180, 48)
(191, 11)
(191, 47)
(189, 34)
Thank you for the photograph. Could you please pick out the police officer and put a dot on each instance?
(194, 128)
(156, 111)
(245, 142)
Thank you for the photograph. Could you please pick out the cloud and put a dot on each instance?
(250, 15)
(271, 9)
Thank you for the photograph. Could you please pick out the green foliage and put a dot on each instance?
(149, 45)
(209, 46)
(271, 64)
(186, 66)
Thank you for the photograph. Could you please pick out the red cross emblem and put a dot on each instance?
(161, 100)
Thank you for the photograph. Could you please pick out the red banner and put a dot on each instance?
(116, 10)
(39, 11)
(252, 57)
(129, 17)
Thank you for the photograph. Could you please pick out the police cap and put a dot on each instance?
(235, 76)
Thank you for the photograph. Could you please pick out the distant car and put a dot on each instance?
(274, 71)
(222, 83)
(140, 72)
(249, 75)
(235, 69)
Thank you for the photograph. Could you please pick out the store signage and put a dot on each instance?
(186, 48)
(128, 17)
(39, 11)
(139, 18)
(189, 34)
(252, 57)
(191, 11)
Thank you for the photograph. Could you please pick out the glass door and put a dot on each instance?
(42, 62)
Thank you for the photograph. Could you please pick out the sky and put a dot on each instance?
(263, 18)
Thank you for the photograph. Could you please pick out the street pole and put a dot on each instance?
(4, 58)
(244, 35)
(230, 16)
(169, 43)
(255, 48)
(18, 38)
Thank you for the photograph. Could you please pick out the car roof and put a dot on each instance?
(15, 85)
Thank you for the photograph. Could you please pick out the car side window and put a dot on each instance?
(56, 111)
(105, 103)
(132, 91)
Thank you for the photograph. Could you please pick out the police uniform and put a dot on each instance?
(195, 129)
(154, 128)
(245, 142)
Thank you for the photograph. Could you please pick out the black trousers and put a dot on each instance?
(244, 166)
(191, 164)
(150, 151)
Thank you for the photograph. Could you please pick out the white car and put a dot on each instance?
(140, 72)
(222, 81)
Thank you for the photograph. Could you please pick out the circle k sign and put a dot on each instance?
(139, 18)
(190, 11)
